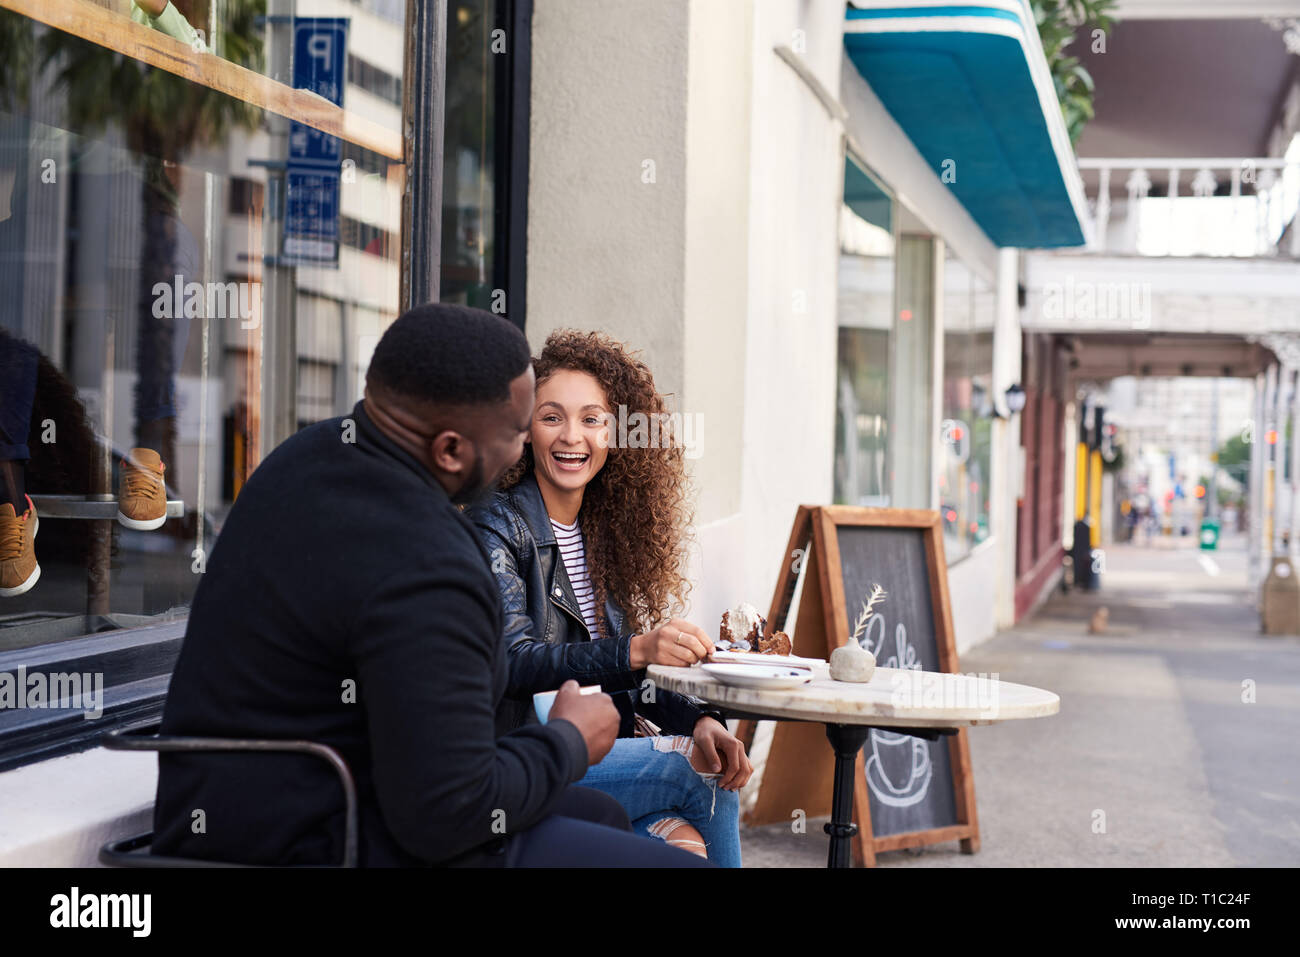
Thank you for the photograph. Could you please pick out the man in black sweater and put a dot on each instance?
(347, 601)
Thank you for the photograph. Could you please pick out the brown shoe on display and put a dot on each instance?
(18, 568)
(142, 499)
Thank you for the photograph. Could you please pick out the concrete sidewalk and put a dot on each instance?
(1152, 731)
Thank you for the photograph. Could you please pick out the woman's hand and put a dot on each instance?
(720, 750)
(677, 642)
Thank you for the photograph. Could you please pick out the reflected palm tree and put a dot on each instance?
(162, 118)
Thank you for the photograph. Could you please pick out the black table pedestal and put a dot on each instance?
(847, 740)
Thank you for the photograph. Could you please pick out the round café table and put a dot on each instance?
(922, 703)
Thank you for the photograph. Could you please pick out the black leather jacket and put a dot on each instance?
(548, 641)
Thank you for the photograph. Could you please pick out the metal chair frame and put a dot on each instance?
(134, 851)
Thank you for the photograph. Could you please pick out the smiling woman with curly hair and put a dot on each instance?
(588, 538)
(640, 494)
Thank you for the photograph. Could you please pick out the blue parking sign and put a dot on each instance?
(311, 215)
(312, 175)
(320, 56)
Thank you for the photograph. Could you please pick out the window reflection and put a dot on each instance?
(866, 291)
(475, 155)
(147, 304)
(967, 426)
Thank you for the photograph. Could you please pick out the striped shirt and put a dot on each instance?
(569, 538)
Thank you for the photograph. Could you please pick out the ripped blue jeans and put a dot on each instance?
(654, 781)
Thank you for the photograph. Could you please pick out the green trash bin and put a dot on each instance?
(1210, 534)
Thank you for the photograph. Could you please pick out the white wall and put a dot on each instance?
(717, 299)
(1007, 480)
(973, 589)
(606, 247)
(796, 187)
(723, 271)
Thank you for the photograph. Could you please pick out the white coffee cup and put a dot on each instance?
(543, 700)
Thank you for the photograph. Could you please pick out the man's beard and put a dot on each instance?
(475, 491)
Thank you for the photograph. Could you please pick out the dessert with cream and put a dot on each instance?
(743, 629)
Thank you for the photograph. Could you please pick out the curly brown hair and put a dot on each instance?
(635, 513)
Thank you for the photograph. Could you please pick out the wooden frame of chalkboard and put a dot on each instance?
(798, 774)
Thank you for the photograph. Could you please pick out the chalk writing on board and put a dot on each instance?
(899, 769)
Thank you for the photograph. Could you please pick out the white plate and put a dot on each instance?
(758, 676)
(749, 658)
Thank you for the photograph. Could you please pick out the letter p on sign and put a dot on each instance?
(321, 47)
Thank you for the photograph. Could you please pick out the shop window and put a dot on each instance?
(966, 429)
(912, 411)
(866, 305)
(485, 156)
(155, 248)
(200, 235)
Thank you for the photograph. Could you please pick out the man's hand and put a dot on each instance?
(594, 715)
(676, 642)
(719, 750)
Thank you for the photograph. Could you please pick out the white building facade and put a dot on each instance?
(816, 257)
(688, 196)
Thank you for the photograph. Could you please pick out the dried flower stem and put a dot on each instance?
(877, 596)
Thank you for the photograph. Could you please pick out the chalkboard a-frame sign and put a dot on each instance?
(908, 790)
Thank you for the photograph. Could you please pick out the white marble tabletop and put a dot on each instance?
(892, 698)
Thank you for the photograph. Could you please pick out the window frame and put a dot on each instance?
(511, 210)
(135, 665)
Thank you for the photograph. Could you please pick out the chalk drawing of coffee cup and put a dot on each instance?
(898, 770)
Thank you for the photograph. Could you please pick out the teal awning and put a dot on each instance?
(971, 88)
(864, 197)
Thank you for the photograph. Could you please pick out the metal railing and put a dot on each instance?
(1242, 207)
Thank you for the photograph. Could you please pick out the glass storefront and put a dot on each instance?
(912, 413)
(884, 403)
(966, 431)
(200, 232)
(866, 305)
